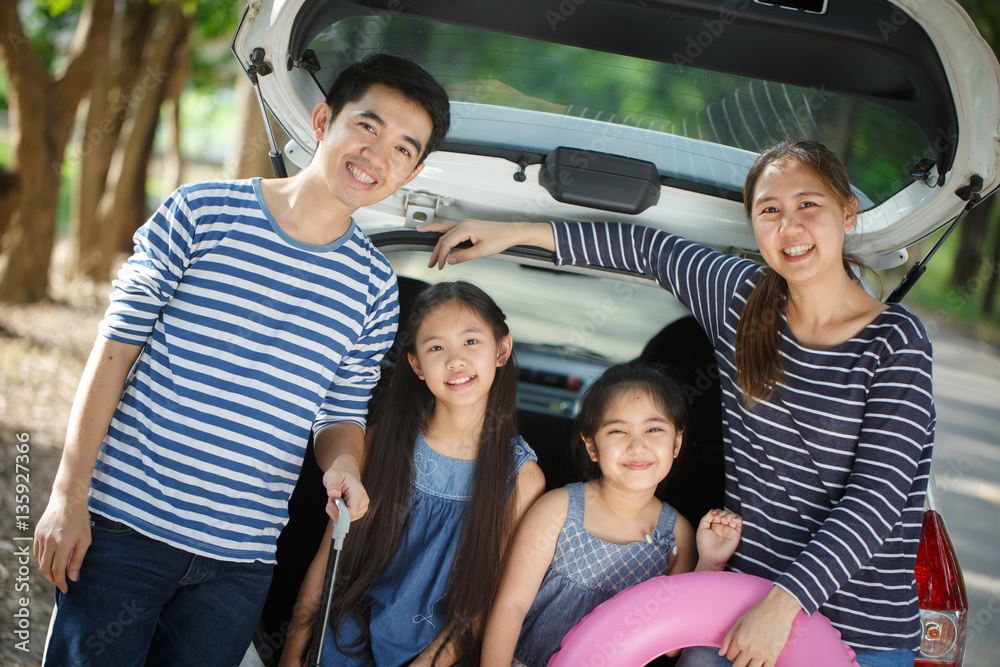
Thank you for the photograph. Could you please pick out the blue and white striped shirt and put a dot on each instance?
(251, 339)
(830, 473)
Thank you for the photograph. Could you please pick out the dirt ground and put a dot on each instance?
(43, 349)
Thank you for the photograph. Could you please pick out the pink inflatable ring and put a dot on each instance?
(693, 609)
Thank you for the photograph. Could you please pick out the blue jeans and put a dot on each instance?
(139, 601)
(702, 656)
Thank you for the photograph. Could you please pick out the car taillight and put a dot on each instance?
(943, 601)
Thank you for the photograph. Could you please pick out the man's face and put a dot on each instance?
(373, 146)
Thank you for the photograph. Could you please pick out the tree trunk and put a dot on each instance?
(972, 244)
(41, 120)
(10, 193)
(123, 205)
(111, 102)
(993, 270)
(27, 244)
(173, 158)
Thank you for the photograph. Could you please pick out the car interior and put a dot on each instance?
(657, 116)
(550, 387)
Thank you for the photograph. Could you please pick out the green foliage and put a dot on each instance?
(215, 21)
(4, 89)
(49, 25)
(942, 304)
(57, 7)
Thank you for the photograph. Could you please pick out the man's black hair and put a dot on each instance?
(404, 75)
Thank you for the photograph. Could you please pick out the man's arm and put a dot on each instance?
(340, 451)
(64, 528)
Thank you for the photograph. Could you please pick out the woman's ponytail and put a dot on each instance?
(758, 336)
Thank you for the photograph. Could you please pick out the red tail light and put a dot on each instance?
(943, 601)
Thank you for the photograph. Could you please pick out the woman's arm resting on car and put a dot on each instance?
(488, 238)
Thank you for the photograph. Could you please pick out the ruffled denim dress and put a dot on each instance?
(405, 615)
(586, 571)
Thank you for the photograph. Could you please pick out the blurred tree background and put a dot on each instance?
(107, 105)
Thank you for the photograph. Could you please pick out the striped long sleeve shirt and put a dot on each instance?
(830, 473)
(250, 339)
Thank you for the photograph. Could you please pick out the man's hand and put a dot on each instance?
(345, 484)
(62, 535)
(340, 449)
(487, 238)
(62, 538)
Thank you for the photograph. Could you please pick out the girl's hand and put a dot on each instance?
(758, 637)
(718, 535)
(487, 238)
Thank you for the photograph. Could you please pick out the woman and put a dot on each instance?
(828, 411)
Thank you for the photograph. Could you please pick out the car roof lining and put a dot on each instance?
(882, 55)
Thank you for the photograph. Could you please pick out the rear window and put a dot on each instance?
(525, 94)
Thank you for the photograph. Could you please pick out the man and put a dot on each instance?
(250, 313)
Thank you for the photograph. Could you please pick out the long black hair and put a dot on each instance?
(388, 477)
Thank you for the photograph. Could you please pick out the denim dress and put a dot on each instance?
(405, 614)
(585, 572)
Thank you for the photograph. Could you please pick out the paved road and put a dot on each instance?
(967, 470)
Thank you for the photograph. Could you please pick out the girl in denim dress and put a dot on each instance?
(580, 545)
(449, 479)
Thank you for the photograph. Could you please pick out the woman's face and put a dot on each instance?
(799, 225)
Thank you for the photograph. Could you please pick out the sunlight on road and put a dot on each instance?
(967, 473)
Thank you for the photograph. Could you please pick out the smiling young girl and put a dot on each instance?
(580, 545)
(448, 478)
(827, 401)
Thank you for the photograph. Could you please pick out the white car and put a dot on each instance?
(650, 112)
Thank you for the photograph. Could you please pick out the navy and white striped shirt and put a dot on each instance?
(829, 474)
(251, 339)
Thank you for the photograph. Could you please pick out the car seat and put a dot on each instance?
(696, 483)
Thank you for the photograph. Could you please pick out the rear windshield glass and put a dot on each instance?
(525, 92)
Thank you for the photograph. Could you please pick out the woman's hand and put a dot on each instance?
(758, 637)
(487, 238)
(718, 535)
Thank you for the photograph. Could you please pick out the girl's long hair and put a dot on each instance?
(758, 333)
(388, 477)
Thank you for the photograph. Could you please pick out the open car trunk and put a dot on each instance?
(649, 111)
